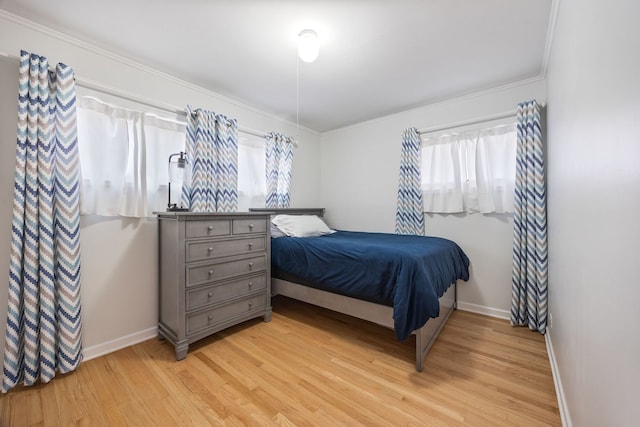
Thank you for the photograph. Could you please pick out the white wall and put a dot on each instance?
(593, 204)
(360, 167)
(119, 264)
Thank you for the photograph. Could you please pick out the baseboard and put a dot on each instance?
(562, 402)
(481, 309)
(119, 343)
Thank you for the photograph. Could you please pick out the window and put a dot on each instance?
(469, 171)
(123, 159)
(124, 156)
(252, 181)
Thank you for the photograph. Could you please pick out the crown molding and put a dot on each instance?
(142, 67)
(444, 101)
(555, 5)
(551, 30)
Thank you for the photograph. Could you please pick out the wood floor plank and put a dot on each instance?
(307, 367)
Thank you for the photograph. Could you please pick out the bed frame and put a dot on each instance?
(376, 313)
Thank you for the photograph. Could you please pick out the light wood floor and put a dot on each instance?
(307, 367)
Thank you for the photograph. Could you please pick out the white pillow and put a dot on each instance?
(276, 232)
(301, 225)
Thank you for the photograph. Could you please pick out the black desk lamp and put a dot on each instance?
(176, 174)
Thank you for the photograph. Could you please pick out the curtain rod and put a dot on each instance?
(476, 121)
(89, 84)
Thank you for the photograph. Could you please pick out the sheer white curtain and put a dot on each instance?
(124, 159)
(494, 170)
(441, 174)
(252, 183)
(472, 171)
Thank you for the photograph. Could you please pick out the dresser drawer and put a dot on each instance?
(213, 316)
(196, 251)
(208, 228)
(202, 297)
(217, 271)
(245, 226)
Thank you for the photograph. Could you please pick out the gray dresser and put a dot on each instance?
(215, 272)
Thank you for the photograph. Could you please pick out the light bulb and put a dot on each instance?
(308, 45)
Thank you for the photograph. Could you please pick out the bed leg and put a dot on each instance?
(419, 351)
(455, 296)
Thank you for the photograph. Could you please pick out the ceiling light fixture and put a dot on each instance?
(308, 45)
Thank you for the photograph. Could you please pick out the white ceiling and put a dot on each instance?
(377, 57)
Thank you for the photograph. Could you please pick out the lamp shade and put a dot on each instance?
(308, 45)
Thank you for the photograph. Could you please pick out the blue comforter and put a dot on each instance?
(408, 273)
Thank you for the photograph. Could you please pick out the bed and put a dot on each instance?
(407, 283)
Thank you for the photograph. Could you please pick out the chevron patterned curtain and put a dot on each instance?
(529, 274)
(211, 181)
(279, 157)
(44, 318)
(409, 212)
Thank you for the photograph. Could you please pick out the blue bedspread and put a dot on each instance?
(408, 273)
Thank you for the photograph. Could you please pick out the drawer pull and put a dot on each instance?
(250, 246)
(210, 294)
(251, 226)
(250, 285)
(250, 265)
(250, 305)
(210, 228)
(210, 272)
(210, 249)
(210, 317)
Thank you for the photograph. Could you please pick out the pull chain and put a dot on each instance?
(297, 98)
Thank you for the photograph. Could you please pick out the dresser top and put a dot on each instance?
(206, 215)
